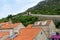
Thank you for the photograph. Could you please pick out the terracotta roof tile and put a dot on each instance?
(3, 34)
(7, 25)
(29, 26)
(27, 34)
(8, 39)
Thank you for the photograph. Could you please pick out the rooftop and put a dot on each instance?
(27, 34)
(3, 34)
(43, 23)
(8, 25)
(29, 26)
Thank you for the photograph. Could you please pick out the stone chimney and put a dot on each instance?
(10, 21)
(0, 26)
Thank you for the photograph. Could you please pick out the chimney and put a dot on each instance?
(0, 25)
(10, 21)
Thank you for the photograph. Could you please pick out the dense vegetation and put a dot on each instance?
(49, 7)
(24, 19)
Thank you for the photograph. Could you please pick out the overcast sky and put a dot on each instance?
(15, 6)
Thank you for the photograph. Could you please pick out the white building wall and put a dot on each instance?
(16, 29)
(52, 28)
(41, 36)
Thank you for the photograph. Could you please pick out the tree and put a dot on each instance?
(10, 16)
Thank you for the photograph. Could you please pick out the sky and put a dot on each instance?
(15, 6)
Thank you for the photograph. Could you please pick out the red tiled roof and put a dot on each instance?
(8, 39)
(3, 34)
(5, 26)
(27, 34)
(8, 25)
(29, 26)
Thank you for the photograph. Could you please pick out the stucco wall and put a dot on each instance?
(16, 29)
(41, 36)
(52, 28)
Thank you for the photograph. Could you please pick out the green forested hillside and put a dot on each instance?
(49, 7)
